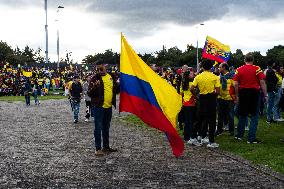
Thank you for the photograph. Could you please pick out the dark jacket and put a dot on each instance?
(27, 87)
(96, 92)
(271, 80)
(76, 90)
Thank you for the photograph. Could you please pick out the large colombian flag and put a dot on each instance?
(148, 96)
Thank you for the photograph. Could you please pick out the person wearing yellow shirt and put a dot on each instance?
(102, 92)
(208, 85)
(276, 108)
(225, 101)
(189, 106)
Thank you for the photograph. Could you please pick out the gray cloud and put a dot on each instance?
(142, 17)
(139, 17)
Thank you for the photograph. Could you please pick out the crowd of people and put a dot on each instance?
(221, 93)
(212, 97)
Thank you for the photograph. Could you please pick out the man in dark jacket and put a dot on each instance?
(27, 91)
(75, 92)
(271, 83)
(102, 92)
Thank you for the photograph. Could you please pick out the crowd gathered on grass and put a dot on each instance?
(189, 84)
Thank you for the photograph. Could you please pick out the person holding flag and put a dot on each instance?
(102, 90)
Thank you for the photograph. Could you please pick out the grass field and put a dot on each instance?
(269, 153)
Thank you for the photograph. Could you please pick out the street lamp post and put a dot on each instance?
(197, 61)
(46, 32)
(58, 8)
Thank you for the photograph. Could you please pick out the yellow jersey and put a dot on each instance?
(225, 94)
(108, 88)
(206, 82)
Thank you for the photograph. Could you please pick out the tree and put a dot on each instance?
(236, 59)
(276, 54)
(259, 60)
(38, 57)
(6, 52)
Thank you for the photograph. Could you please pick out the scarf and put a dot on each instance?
(224, 78)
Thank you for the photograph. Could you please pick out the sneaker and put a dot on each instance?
(270, 121)
(279, 120)
(255, 141)
(75, 120)
(237, 138)
(194, 142)
(99, 153)
(205, 140)
(218, 133)
(109, 150)
(86, 120)
(213, 145)
(198, 138)
(246, 128)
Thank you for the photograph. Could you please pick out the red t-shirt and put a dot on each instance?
(248, 76)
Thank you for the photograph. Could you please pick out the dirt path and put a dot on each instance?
(41, 148)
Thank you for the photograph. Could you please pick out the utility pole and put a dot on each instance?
(58, 8)
(46, 33)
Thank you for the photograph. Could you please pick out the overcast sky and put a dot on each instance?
(92, 26)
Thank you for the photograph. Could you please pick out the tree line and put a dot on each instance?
(172, 57)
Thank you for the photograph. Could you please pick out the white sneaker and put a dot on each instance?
(246, 128)
(194, 142)
(279, 120)
(205, 140)
(213, 145)
(198, 138)
(86, 120)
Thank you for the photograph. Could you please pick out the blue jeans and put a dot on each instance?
(276, 109)
(28, 100)
(253, 125)
(76, 109)
(270, 104)
(102, 125)
(36, 97)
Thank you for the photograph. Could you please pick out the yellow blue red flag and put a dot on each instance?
(214, 50)
(148, 96)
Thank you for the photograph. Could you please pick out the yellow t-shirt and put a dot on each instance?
(108, 86)
(188, 98)
(225, 94)
(206, 82)
(279, 83)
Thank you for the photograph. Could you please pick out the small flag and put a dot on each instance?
(214, 50)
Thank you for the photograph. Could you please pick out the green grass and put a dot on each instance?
(269, 153)
(22, 98)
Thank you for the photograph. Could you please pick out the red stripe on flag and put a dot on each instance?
(152, 116)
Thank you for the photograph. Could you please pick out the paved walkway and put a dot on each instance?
(41, 148)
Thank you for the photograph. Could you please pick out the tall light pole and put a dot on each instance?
(58, 8)
(46, 33)
(197, 62)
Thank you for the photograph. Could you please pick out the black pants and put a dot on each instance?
(189, 119)
(206, 116)
(225, 115)
(248, 102)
